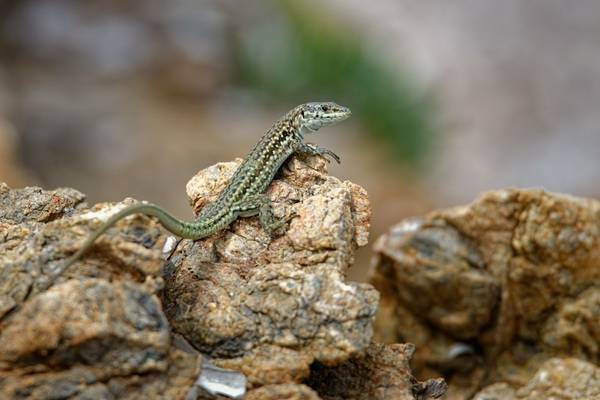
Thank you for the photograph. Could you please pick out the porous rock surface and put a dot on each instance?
(490, 291)
(557, 378)
(103, 336)
(388, 372)
(249, 300)
(269, 307)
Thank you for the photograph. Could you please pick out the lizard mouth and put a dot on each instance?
(343, 114)
(338, 116)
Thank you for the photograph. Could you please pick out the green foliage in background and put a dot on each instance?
(304, 57)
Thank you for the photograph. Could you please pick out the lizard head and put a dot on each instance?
(310, 117)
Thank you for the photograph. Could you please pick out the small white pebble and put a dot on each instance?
(169, 245)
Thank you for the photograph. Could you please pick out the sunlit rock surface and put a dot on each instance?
(124, 323)
(281, 301)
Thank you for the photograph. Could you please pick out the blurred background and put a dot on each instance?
(449, 99)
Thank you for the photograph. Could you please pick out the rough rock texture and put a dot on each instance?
(269, 307)
(387, 372)
(489, 291)
(272, 307)
(92, 339)
(381, 372)
(39, 229)
(560, 379)
(286, 391)
(281, 303)
(88, 321)
(103, 336)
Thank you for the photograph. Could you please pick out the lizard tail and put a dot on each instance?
(168, 221)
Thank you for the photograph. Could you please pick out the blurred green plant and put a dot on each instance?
(304, 57)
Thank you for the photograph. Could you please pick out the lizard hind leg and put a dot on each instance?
(261, 204)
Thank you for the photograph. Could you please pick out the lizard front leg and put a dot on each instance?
(260, 204)
(320, 151)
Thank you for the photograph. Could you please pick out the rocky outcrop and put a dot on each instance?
(131, 318)
(242, 294)
(102, 335)
(490, 291)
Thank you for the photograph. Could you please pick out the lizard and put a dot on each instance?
(244, 195)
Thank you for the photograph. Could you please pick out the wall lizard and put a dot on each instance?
(244, 195)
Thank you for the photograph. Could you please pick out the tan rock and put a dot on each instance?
(269, 307)
(493, 289)
(286, 391)
(78, 318)
(91, 338)
(87, 382)
(382, 372)
(241, 293)
(87, 337)
(560, 379)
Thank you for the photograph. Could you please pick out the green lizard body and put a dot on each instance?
(244, 196)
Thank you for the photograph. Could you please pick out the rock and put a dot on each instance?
(103, 335)
(286, 391)
(272, 306)
(55, 331)
(86, 382)
(32, 204)
(270, 365)
(493, 289)
(564, 379)
(91, 338)
(276, 309)
(574, 327)
(39, 229)
(382, 372)
(443, 262)
(496, 391)
(24, 255)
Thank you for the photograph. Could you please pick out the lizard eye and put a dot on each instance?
(325, 107)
